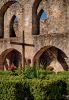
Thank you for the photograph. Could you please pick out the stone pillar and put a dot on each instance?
(1, 26)
(35, 24)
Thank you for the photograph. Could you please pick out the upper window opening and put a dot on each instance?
(16, 20)
(13, 26)
(2, 13)
(44, 16)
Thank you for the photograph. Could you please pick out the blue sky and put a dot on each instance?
(44, 16)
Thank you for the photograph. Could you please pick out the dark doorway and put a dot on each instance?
(9, 57)
(14, 58)
(48, 54)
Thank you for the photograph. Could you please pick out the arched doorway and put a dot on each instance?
(9, 57)
(51, 56)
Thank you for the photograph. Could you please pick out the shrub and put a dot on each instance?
(30, 73)
(5, 72)
(33, 84)
(15, 90)
(49, 90)
(31, 89)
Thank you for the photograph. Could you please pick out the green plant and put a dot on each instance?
(5, 72)
(33, 84)
(17, 88)
(31, 72)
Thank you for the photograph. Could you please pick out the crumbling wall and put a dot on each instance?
(54, 31)
(57, 24)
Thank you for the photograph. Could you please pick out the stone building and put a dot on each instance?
(50, 36)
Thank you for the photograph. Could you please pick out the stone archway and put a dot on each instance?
(36, 15)
(51, 56)
(2, 12)
(9, 57)
(13, 21)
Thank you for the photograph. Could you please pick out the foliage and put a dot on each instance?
(5, 72)
(32, 89)
(30, 73)
(33, 84)
(8, 73)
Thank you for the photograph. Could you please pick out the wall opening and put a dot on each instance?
(51, 56)
(2, 12)
(42, 18)
(14, 57)
(9, 57)
(44, 15)
(38, 14)
(13, 26)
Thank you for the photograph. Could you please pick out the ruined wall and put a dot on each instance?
(57, 13)
(54, 31)
(14, 9)
(22, 9)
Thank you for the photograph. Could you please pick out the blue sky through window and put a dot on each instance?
(44, 16)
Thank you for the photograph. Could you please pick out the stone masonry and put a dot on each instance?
(50, 37)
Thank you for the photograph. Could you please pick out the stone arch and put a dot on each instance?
(40, 21)
(2, 12)
(17, 10)
(12, 31)
(40, 13)
(36, 14)
(35, 18)
(36, 4)
(9, 57)
(51, 55)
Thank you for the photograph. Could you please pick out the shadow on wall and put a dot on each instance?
(46, 55)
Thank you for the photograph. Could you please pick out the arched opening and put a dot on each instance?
(13, 26)
(42, 18)
(9, 57)
(2, 12)
(43, 15)
(37, 16)
(51, 56)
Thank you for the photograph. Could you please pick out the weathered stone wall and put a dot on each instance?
(54, 31)
(22, 9)
(57, 13)
(16, 10)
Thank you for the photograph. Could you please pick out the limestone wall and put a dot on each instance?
(54, 31)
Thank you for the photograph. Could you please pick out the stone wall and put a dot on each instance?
(54, 31)
(22, 9)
